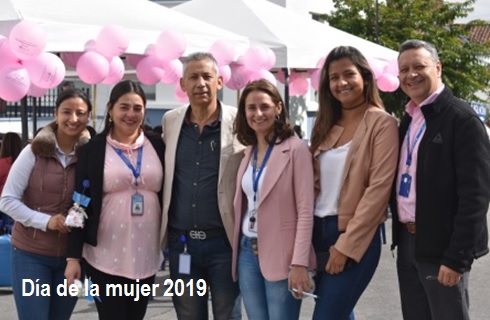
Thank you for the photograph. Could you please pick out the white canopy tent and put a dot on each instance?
(69, 24)
(297, 40)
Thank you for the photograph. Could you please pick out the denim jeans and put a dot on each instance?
(263, 299)
(211, 261)
(338, 294)
(50, 271)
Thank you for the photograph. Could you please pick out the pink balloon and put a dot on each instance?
(298, 86)
(270, 60)
(92, 67)
(134, 59)
(112, 41)
(321, 62)
(263, 74)
(46, 71)
(116, 71)
(6, 55)
(14, 82)
(170, 45)
(280, 76)
(27, 40)
(90, 45)
(387, 82)
(225, 73)
(173, 72)
(315, 78)
(392, 67)
(377, 67)
(180, 95)
(70, 58)
(149, 70)
(223, 51)
(254, 58)
(35, 91)
(240, 76)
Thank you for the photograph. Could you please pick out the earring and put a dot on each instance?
(110, 119)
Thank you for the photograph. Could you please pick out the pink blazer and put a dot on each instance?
(285, 210)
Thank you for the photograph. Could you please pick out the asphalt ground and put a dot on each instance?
(380, 301)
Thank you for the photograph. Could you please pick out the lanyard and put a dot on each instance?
(255, 175)
(136, 171)
(410, 149)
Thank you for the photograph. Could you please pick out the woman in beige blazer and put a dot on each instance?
(273, 207)
(354, 143)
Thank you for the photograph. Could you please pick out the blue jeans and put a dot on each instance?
(263, 299)
(211, 261)
(338, 294)
(50, 271)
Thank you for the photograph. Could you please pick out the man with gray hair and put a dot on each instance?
(202, 157)
(441, 193)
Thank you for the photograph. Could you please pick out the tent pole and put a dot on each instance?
(286, 88)
(24, 118)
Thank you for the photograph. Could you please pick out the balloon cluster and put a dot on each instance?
(24, 68)
(254, 64)
(101, 61)
(161, 63)
(386, 74)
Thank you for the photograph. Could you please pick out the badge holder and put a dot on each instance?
(184, 258)
(137, 204)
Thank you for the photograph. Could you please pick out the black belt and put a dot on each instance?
(200, 234)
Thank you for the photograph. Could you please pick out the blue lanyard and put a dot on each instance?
(256, 178)
(136, 171)
(410, 149)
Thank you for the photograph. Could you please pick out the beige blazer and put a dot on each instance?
(231, 155)
(284, 210)
(366, 181)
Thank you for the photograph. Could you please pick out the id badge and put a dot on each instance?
(137, 205)
(405, 184)
(184, 263)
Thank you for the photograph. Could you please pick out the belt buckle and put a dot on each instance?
(197, 234)
(411, 227)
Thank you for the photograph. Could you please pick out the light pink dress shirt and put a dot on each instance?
(406, 205)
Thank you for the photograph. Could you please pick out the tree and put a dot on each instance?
(464, 68)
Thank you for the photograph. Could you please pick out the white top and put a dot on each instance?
(247, 187)
(332, 163)
(17, 180)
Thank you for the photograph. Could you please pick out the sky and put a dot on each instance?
(481, 11)
(481, 8)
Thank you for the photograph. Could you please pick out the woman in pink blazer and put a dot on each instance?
(272, 249)
(355, 148)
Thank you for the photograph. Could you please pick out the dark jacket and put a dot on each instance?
(452, 185)
(91, 167)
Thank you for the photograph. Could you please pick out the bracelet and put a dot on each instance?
(72, 259)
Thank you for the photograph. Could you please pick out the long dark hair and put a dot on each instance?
(282, 128)
(120, 89)
(11, 145)
(329, 108)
